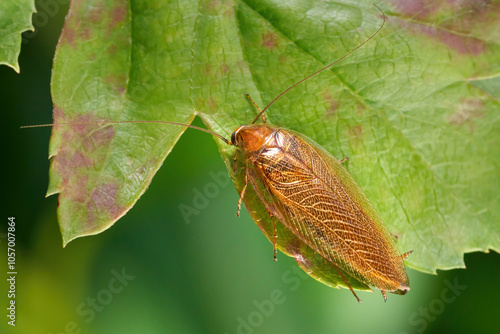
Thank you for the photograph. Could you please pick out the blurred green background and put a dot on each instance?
(213, 274)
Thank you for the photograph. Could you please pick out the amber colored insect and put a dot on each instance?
(319, 202)
(317, 199)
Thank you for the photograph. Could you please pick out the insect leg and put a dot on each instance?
(242, 192)
(275, 240)
(256, 107)
(348, 285)
(405, 255)
(235, 162)
(343, 160)
(384, 294)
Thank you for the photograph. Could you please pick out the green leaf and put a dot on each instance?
(15, 17)
(490, 85)
(422, 140)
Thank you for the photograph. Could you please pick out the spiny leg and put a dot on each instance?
(405, 255)
(348, 285)
(275, 241)
(242, 192)
(256, 107)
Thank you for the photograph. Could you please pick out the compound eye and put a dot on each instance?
(233, 138)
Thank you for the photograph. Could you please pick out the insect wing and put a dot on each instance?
(321, 204)
(290, 244)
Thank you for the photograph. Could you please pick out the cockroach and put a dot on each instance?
(312, 195)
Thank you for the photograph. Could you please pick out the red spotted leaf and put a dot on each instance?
(416, 109)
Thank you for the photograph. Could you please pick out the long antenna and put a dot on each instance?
(125, 122)
(321, 70)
